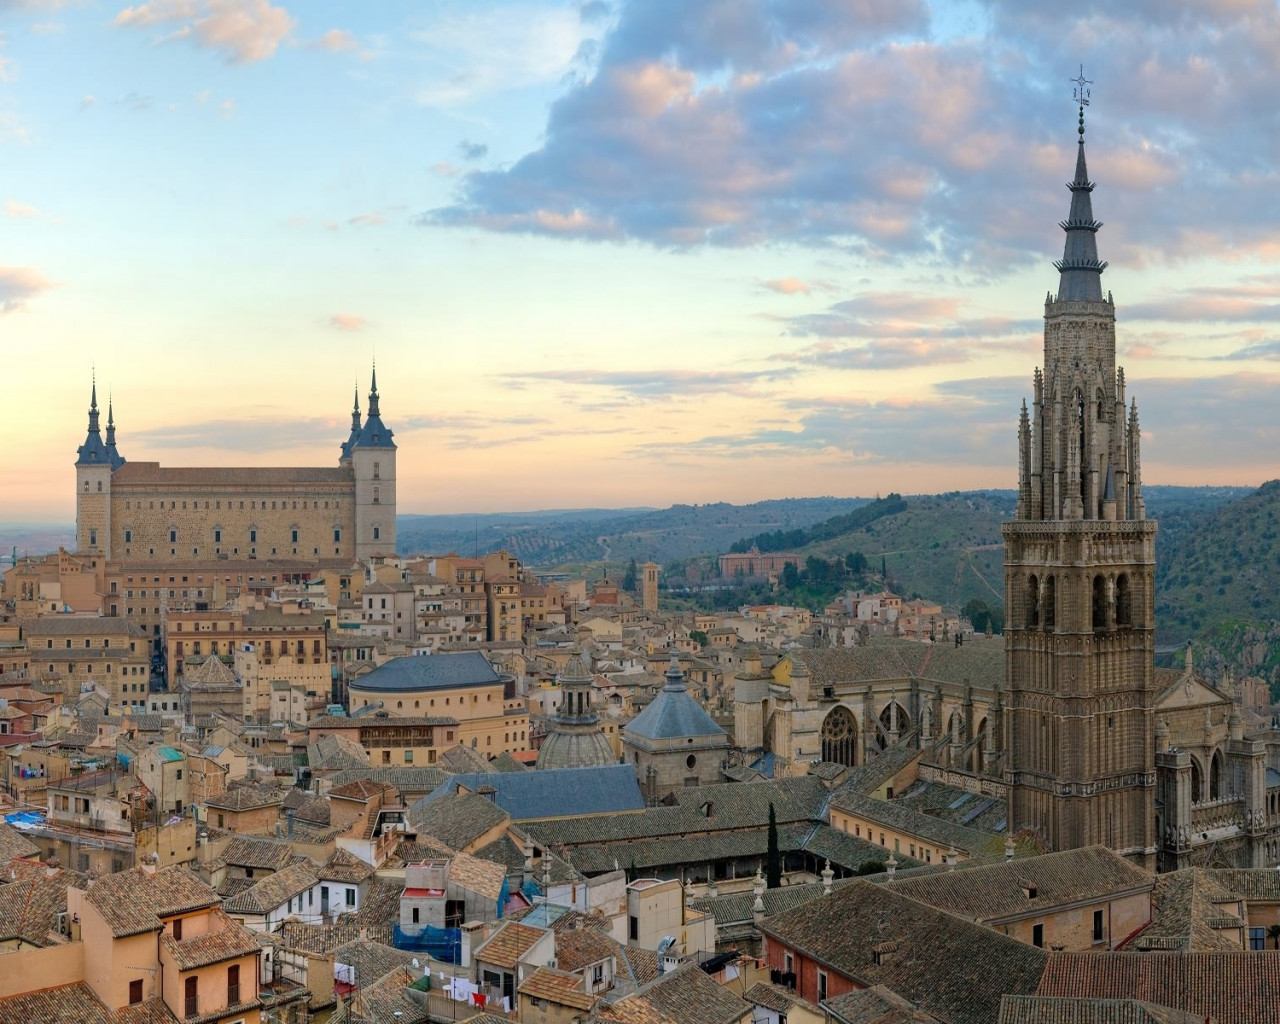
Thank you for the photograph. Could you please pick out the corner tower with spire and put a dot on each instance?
(1080, 575)
(95, 462)
(372, 454)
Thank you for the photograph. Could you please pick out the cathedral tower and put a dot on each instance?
(1080, 576)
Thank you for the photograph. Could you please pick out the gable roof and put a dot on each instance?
(686, 995)
(458, 821)
(1190, 910)
(1227, 987)
(557, 986)
(274, 890)
(133, 901)
(1045, 1010)
(955, 969)
(996, 892)
(507, 945)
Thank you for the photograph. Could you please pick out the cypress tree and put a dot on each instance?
(772, 857)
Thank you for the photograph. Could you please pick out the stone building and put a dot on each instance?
(143, 512)
(673, 742)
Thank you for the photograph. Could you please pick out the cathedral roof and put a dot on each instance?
(374, 433)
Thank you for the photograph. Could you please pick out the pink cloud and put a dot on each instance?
(789, 286)
(17, 285)
(244, 31)
(347, 322)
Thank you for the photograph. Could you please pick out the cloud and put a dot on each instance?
(660, 384)
(18, 285)
(336, 40)
(788, 286)
(366, 220)
(472, 150)
(347, 322)
(260, 432)
(860, 126)
(243, 31)
(87, 101)
(1268, 350)
(12, 208)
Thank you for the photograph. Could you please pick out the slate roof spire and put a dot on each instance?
(93, 451)
(374, 433)
(116, 459)
(1080, 269)
(350, 442)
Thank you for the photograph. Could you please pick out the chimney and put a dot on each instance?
(891, 865)
(827, 876)
(950, 857)
(148, 865)
(1008, 849)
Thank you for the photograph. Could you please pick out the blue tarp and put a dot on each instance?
(438, 943)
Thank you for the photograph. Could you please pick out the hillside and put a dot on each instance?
(1220, 566)
(570, 537)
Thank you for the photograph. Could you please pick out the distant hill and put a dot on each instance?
(567, 537)
(1220, 565)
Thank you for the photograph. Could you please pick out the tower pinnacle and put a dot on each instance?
(1080, 269)
(93, 451)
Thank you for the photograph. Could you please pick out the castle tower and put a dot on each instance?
(649, 586)
(373, 460)
(1080, 576)
(93, 485)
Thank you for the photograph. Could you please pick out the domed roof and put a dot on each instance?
(575, 750)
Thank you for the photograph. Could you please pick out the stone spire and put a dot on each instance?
(575, 739)
(93, 451)
(1080, 270)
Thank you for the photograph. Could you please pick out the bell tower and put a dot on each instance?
(1080, 575)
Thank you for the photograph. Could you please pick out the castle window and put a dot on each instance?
(375, 496)
(128, 536)
(86, 487)
(294, 534)
(173, 535)
(217, 536)
(93, 538)
(99, 486)
(377, 467)
(253, 536)
(377, 533)
(337, 535)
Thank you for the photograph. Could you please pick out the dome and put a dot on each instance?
(564, 749)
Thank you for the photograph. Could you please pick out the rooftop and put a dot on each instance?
(428, 672)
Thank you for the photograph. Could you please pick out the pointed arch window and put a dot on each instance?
(1215, 776)
(1048, 608)
(1099, 603)
(1033, 602)
(1124, 601)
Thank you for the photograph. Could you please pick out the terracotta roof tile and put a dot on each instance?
(556, 987)
(132, 901)
(228, 942)
(509, 944)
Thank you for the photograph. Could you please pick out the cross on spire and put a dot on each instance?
(1081, 94)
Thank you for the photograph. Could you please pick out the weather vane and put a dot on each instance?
(1081, 94)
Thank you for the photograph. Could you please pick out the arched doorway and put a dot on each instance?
(840, 736)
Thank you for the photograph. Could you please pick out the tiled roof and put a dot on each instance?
(995, 892)
(458, 821)
(579, 947)
(1227, 987)
(132, 902)
(407, 781)
(893, 814)
(359, 789)
(507, 945)
(557, 987)
(1261, 885)
(66, 1004)
(229, 942)
(1190, 911)
(461, 759)
(1041, 1010)
(504, 762)
(874, 1006)
(427, 672)
(480, 876)
(386, 1000)
(344, 867)
(980, 662)
(248, 797)
(274, 890)
(957, 970)
(686, 995)
(258, 852)
(554, 792)
(29, 908)
(336, 753)
(14, 844)
(371, 960)
(776, 998)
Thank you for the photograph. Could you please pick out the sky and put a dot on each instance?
(625, 252)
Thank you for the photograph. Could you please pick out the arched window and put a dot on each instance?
(1124, 601)
(1099, 603)
(893, 714)
(1197, 783)
(1101, 407)
(840, 737)
(980, 751)
(1215, 776)
(1048, 608)
(1033, 602)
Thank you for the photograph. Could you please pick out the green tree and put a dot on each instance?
(698, 637)
(629, 580)
(790, 576)
(856, 562)
(772, 856)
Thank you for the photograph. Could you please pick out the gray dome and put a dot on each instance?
(575, 750)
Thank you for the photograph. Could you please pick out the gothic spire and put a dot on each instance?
(93, 406)
(373, 392)
(374, 433)
(1080, 269)
(112, 453)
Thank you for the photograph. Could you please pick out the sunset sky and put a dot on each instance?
(614, 253)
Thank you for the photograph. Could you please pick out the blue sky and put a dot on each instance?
(612, 253)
